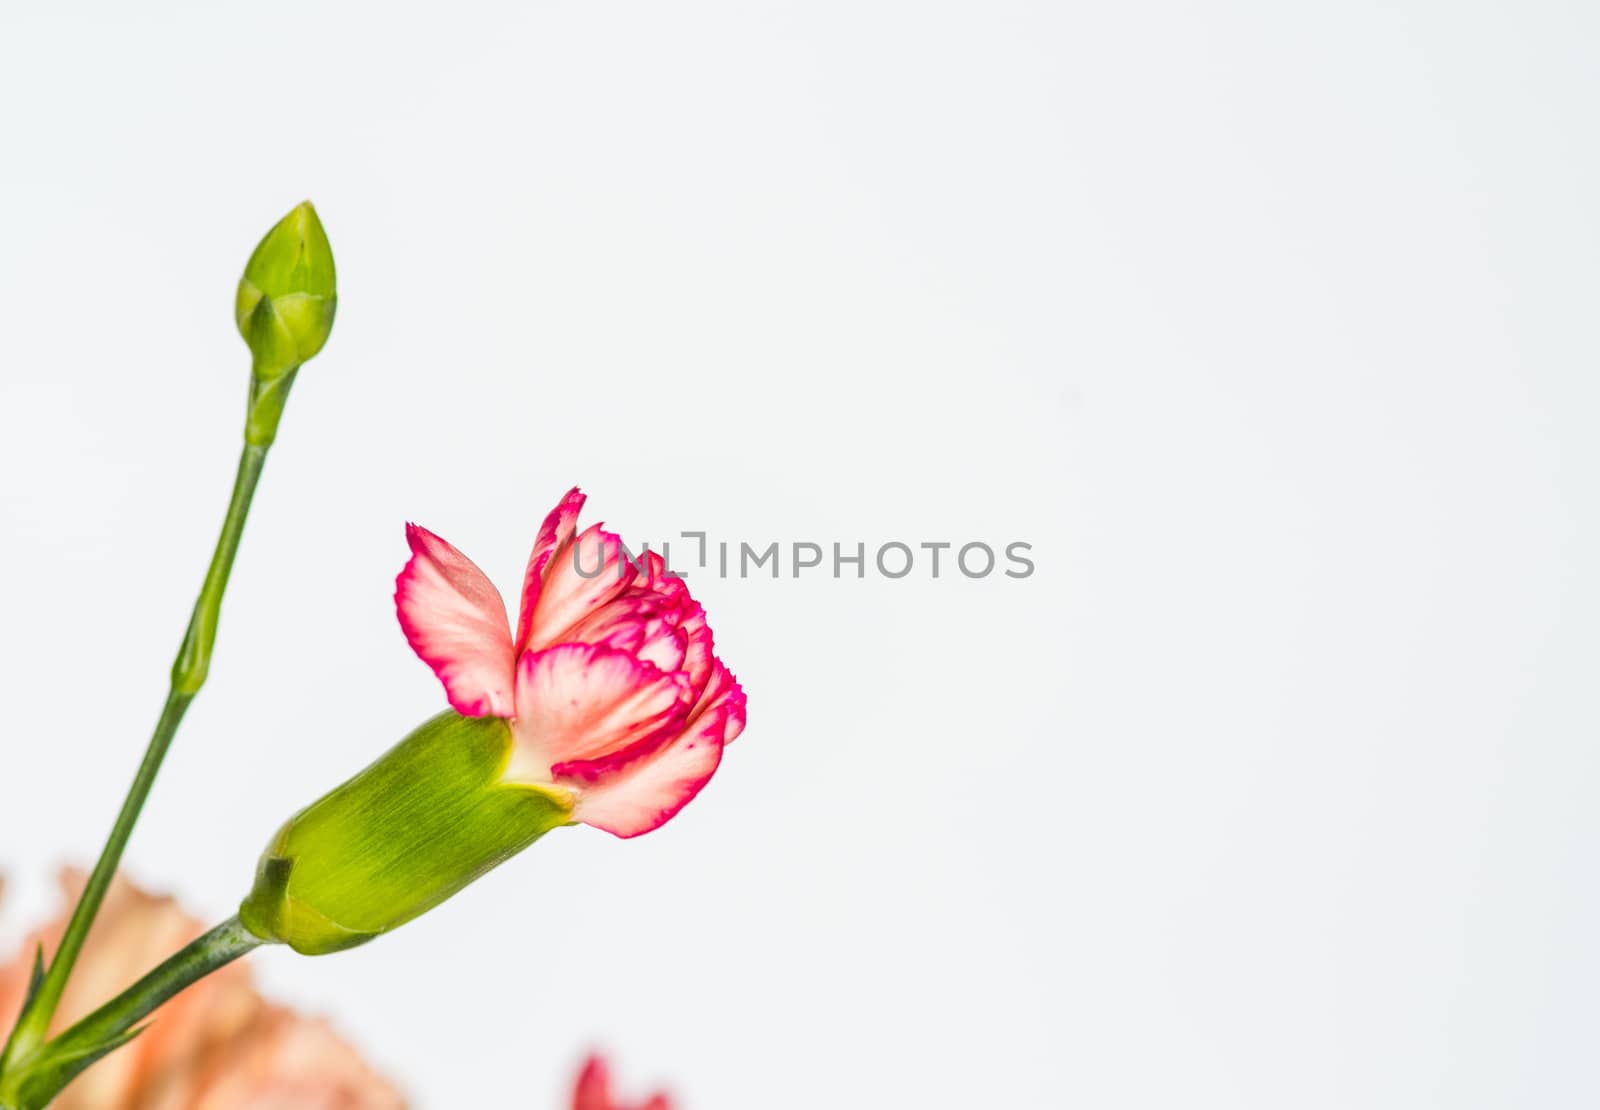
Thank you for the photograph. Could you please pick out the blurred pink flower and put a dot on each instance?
(593, 1091)
(217, 1046)
(610, 684)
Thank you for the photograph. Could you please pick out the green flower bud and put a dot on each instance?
(422, 822)
(286, 298)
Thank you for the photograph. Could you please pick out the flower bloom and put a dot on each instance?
(610, 684)
(217, 1046)
(593, 1091)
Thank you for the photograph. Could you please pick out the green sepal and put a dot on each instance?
(35, 980)
(265, 409)
(33, 1086)
(429, 817)
(36, 977)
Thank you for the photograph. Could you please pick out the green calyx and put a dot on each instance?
(287, 297)
(422, 822)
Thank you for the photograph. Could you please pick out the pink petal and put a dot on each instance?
(581, 576)
(654, 641)
(583, 704)
(634, 622)
(556, 531)
(593, 1091)
(685, 612)
(456, 622)
(698, 659)
(653, 594)
(723, 690)
(736, 712)
(646, 791)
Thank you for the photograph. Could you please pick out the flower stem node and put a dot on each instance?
(284, 310)
(426, 819)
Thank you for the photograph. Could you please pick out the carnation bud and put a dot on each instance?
(422, 822)
(286, 298)
(284, 310)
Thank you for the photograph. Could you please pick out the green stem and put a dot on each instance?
(38, 1077)
(199, 958)
(193, 663)
(189, 672)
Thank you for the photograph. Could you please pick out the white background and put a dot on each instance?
(1271, 326)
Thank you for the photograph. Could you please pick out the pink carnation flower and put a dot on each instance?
(610, 683)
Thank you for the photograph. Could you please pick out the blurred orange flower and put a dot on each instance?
(217, 1046)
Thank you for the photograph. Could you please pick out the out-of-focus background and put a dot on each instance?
(1270, 327)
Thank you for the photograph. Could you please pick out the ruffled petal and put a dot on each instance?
(581, 576)
(579, 704)
(636, 795)
(456, 622)
(655, 641)
(671, 594)
(660, 601)
(722, 690)
(554, 534)
(635, 623)
(698, 652)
